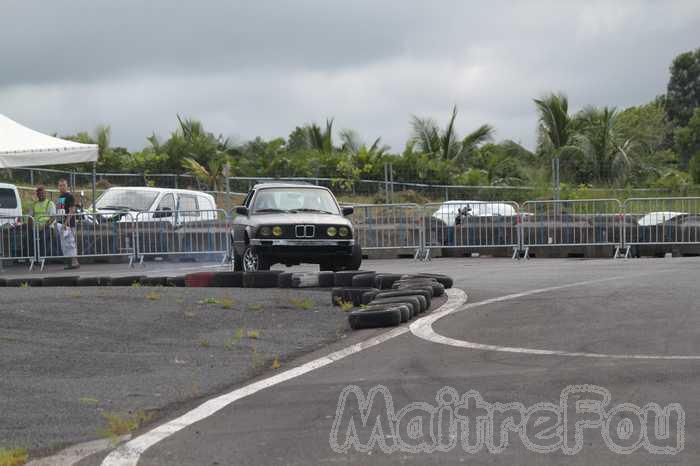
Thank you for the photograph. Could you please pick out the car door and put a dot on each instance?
(240, 222)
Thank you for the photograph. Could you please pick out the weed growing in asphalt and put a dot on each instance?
(24, 285)
(231, 342)
(345, 306)
(257, 359)
(89, 401)
(255, 306)
(227, 303)
(275, 363)
(209, 301)
(136, 285)
(179, 300)
(13, 456)
(204, 343)
(74, 294)
(189, 314)
(121, 425)
(254, 334)
(153, 296)
(305, 304)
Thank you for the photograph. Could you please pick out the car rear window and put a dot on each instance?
(8, 199)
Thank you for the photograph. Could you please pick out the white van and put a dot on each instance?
(10, 204)
(144, 204)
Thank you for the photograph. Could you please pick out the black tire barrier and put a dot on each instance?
(390, 317)
(92, 281)
(444, 280)
(344, 278)
(3, 282)
(199, 279)
(60, 280)
(284, 280)
(261, 279)
(178, 281)
(406, 310)
(154, 281)
(363, 280)
(426, 293)
(383, 281)
(127, 280)
(326, 279)
(416, 304)
(305, 280)
(353, 295)
(18, 282)
(438, 289)
(227, 280)
(368, 296)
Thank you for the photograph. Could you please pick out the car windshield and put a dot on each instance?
(123, 199)
(295, 200)
(8, 199)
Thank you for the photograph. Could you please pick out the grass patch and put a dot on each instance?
(237, 336)
(345, 306)
(204, 343)
(24, 285)
(276, 363)
(74, 294)
(13, 456)
(136, 285)
(121, 425)
(153, 296)
(227, 303)
(254, 334)
(190, 314)
(305, 304)
(255, 306)
(257, 359)
(209, 301)
(89, 401)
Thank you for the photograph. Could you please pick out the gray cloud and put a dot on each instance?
(260, 68)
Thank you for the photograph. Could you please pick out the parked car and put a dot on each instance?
(293, 223)
(451, 213)
(659, 218)
(143, 204)
(10, 204)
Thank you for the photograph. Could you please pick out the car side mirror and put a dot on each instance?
(162, 213)
(242, 210)
(348, 210)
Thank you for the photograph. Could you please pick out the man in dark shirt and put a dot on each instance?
(65, 207)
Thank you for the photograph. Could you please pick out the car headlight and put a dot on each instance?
(332, 231)
(265, 231)
(277, 231)
(344, 231)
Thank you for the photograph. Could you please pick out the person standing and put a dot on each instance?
(43, 213)
(65, 207)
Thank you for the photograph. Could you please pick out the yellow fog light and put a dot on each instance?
(277, 231)
(344, 231)
(265, 231)
(332, 231)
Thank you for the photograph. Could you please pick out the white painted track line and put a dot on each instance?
(129, 453)
(423, 328)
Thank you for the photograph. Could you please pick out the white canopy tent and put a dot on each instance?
(24, 147)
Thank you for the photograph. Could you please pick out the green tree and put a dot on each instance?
(683, 92)
(687, 139)
(605, 151)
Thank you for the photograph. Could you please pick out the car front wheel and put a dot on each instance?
(253, 261)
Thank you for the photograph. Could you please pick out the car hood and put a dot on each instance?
(299, 219)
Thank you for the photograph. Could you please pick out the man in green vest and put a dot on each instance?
(43, 212)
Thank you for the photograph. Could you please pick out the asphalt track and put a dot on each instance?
(529, 330)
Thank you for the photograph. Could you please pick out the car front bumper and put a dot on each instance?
(302, 248)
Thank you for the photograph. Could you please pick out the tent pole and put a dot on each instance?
(94, 183)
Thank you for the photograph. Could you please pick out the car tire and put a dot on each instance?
(344, 278)
(253, 261)
(60, 281)
(90, 281)
(445, 280)
(227, 280)
(384, 281)
(353, 295)
(389, 317)
(405, 308)
(261, 279)
(368, 296)
(284, 280)
(363, 280)
(178, 281)
(427, 294)
(414, 302)
(356, 260)
(199, 279)
(154, 281)
(127, 280)
(17, 282)
(326, 279)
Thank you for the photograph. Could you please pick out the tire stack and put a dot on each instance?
(386, 300)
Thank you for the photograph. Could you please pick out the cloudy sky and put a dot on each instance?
(261, 67)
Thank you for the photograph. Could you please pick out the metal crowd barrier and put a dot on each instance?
(659, 221)
(589, 222)
(472, 224)
(95, 236)
(17, 240)
(388, 226)
(182, 233)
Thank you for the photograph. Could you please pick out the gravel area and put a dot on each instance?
(70, 355)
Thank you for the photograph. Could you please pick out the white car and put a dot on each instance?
(451, 210)
(10, 204)
(143, 204)
(657, 218)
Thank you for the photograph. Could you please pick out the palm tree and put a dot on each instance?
(429, 139)
(320, 140)
(605, 149)
(211, 174)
